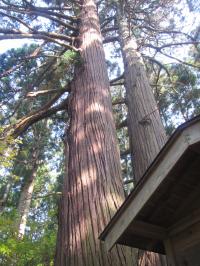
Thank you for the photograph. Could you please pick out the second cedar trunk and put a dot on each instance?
(146, 131)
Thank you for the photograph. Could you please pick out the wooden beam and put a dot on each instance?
(171, 257)
(176, 180)
(187, 203)
(147, 230)
(184, 223)
(187, 239)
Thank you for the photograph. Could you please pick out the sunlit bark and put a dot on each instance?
(93, 191)
(25, 200)
(146, 132)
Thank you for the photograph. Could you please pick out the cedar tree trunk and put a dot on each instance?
(146, 131)
(93, 191)
(25, 200)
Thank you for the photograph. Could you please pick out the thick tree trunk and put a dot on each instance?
(93, 191)
(25, 201)
(146, 131)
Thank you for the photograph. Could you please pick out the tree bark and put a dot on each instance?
(25, 201)
(93, 191)
(5, 195)
(146, 131)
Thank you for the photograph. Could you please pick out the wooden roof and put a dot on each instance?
(166, 196)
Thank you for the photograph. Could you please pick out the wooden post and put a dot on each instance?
(171, 257)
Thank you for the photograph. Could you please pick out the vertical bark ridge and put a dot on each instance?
(93, 190)
(146, 131)
(144, 123)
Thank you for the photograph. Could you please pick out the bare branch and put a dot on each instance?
(119, 101)
(17, 19)
(47, 14)
(111, 39)
(167, 31)
(106, 22)
(46, 195)
(43, 92)
(158, 63)
(25, 122)
(125, 153)
(109, 29)
(117, 84)
(116, 79)
(170, 45)
(180, 61)
(50, 37)
(124, 123)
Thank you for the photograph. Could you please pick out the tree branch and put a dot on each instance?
(47, 14)
(50, 37)
(111, 39)
(125, 153)
(158, 63)
(170, 44)
(124, 123)
(43, 92)
(166, 31)
(106, 22)
(180, 61)
(117, 84)
(25, 122)
(119, 101)
(116, 79)
(109, 29)
(31, 56)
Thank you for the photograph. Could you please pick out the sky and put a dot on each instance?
(8, 44)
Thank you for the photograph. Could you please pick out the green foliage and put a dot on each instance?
(65, 64)
(70, 57)
(8, 150)
(178, 97)
(33, 250)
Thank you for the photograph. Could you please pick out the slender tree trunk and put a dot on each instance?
(25, 201)
(62, 209)
(4, 198)
(93, 191)
(146, 131)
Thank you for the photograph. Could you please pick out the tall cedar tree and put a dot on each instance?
(93, 191)
(146, 131)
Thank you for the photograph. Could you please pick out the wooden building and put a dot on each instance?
(162, 214)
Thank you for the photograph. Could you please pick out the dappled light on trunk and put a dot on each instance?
(146, 131)
(93, 190)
